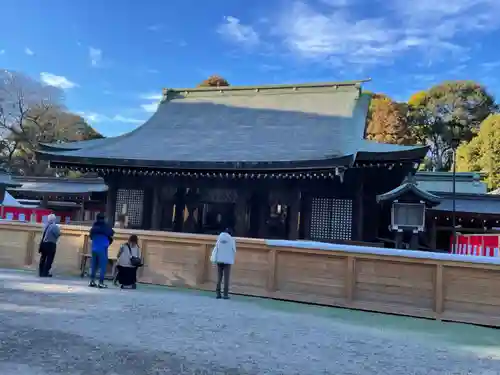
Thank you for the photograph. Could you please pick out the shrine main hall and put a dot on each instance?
(276, 161)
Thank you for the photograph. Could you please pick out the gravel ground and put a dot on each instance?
(60, 326)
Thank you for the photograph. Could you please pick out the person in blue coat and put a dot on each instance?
(101, 234)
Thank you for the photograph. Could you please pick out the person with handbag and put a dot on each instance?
(101, 234)
(128, 261)
(223, 255)
(48, 246)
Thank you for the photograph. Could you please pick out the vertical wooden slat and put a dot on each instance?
(350, 284)
(203, 265)
(143, 245)
(438, 291)
(271, 276)
(30, 246)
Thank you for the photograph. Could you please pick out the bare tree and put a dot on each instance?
(32, 113)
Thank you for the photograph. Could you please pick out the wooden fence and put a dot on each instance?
(440, 286)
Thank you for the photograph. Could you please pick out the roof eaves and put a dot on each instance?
(64, 159)
(406, 188)
(354, 83)
(416, 153)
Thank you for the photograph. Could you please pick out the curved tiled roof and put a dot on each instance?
(244, 127)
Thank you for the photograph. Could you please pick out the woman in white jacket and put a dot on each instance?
(223, 255)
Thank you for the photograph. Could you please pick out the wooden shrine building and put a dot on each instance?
(80, 199)
(282, 161)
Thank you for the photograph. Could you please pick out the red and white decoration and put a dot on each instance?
(476, 244)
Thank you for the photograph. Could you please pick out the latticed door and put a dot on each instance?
(131, 203)
(331, 219)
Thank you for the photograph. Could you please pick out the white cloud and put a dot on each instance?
(94, 117)
(156, 27)
(57, 81)
(95, 55)
(28, 51)
(151, 96)
(339, 36)
(233, 30)
(154, 100)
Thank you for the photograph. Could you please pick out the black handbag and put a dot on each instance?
(41, 244)
(134, 261)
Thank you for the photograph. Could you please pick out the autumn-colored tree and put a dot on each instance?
(447, 112)
(386, 121)
(482, 153)
(214, 81)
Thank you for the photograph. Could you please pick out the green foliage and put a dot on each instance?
(482, 153)
(447, 113)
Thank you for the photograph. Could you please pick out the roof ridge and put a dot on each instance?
(354, 83)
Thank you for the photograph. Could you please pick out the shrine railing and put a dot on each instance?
(421, 284)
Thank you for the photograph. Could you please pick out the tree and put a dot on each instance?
(435, 114)
(387, 122)
(214, 81)
(482, 153)
(31, 113)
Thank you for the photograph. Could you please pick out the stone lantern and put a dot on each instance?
(408, 210)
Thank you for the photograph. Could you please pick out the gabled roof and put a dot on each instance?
(409, 186)
(261, 127)
(56, 185)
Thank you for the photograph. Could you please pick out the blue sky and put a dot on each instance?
(112, 58)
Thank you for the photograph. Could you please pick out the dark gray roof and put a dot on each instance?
(52, 185)
(470, 203)
(245, 127)
(73, 145)
(409, 187)
(7, 180)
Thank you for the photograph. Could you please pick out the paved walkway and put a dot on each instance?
(60, 326)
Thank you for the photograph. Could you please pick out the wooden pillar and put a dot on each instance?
(241, 227)
(294, 202)
(359, 214)
(156, 209)
(433, 233)
(45, 202)
(147, 208)
(414, 244)
(111, 202)
(180, 204)
(263, 203)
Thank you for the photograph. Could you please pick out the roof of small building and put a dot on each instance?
(7, 180)
(57, 185)
(409, 186)
(485, 204)
(258, 127)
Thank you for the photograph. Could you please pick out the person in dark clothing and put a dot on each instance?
(127, 269)
(101, 235)
(48, 246)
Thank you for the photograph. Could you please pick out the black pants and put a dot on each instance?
(127, 276)
(47, 255)
(223, 271)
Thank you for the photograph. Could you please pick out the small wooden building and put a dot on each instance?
(79, 199)
(281, 161)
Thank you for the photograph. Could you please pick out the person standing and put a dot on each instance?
(101, 234)
(128, 261)
(48, 246)
(223, 255)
